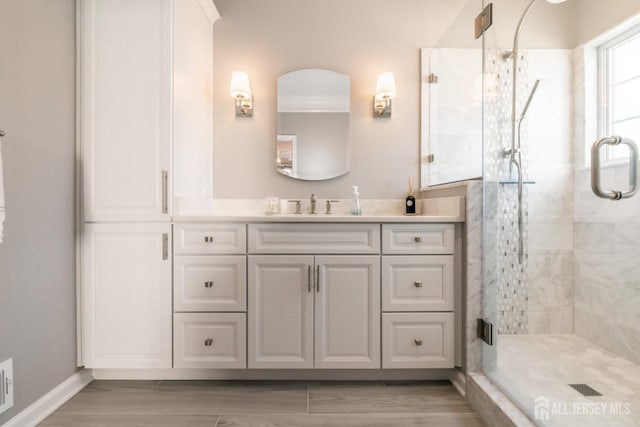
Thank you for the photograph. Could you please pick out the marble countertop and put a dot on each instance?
(445, 209)
(319, 218)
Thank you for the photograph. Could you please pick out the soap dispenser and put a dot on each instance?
(355, 204)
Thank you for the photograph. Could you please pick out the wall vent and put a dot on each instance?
(6, 382)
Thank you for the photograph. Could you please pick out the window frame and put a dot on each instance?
(604, 93)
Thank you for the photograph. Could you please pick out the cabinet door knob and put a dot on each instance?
(418, 341)
(208, 239)
(417, 239)
(208, 284)
(417, 283)
(208, 342)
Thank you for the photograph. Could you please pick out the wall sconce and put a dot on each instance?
(385, 91)
(241, 91)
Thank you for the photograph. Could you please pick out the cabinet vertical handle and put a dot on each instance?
(309, 278)
(165, 246)
(317, 278)
(165, 192)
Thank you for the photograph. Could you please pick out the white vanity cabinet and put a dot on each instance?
(280, 295)
(347, 312)
(125, 109)
(144, 96)
(209, 295)
(314, 311)
(313, 295)
(126, 295)
(145, 77)
(418, 296)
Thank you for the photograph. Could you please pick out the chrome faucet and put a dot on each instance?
(298, 206)
(328, 211)
(313, 204)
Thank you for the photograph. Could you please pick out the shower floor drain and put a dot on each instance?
(585, 390)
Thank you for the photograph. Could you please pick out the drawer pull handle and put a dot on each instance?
(208, 284)
(208, 239)
(417, 283)
(417, 239)
(208, 342)
(418, 341)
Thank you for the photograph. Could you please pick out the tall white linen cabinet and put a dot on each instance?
(144, 142)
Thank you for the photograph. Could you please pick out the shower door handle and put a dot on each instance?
(595, 168)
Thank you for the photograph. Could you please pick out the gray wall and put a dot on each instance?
(360, 38)
(37, 259)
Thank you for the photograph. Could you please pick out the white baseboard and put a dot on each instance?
(47, 404)
(276, 374)
(459, 381)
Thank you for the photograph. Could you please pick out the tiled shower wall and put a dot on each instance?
(537, 296)
(550, 269)
(510, 277)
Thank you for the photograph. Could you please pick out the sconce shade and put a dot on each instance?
(386, 86)
(240, 85)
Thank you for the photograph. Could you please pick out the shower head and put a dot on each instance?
(526, 106)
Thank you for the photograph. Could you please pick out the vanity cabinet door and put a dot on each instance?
(125, 109)
(347, 303)
(126, 295)
(418, 239)
(209, 340)
(209, 283)
(417, 283)
(280, 311)
(209, 239)
(418, 340)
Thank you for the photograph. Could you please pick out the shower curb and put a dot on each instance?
(493, 407)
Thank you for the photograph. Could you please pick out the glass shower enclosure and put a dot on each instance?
(561, 220)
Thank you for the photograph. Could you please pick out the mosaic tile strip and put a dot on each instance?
(512, 276)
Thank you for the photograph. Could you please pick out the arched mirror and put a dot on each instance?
(313, 124)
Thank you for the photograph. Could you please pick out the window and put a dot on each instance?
(619, 62)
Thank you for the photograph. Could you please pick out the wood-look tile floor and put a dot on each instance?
(265, 404)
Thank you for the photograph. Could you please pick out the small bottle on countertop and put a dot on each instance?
(355, 204)
(410, 201)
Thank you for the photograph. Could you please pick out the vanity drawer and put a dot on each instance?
(209, 283)
(208, 239)
(417, 283)
(417, 239)
(417, 340)
(209, 340)
(314, 238)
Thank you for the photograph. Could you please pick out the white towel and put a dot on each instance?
(2, 204)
